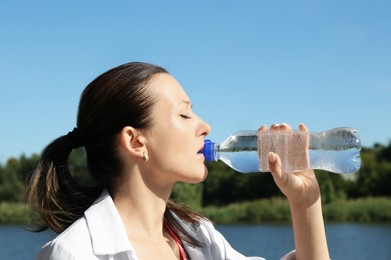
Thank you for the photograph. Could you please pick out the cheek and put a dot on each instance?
(175, 166)
(165, 157)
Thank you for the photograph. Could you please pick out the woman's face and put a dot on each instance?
(177, 134)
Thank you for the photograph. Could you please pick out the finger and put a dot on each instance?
(279, 177)
(285, 127)
(281, 127)
(303, 127)
(262, 129)
(274, 127)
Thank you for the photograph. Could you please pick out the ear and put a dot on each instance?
(132, 142)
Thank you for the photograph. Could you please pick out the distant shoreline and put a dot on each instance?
(274, 210)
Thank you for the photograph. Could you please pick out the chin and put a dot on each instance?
(205, 173)
(199, 176)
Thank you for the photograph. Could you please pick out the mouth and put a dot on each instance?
(201, 149)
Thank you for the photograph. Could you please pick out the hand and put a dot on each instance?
(301, 188)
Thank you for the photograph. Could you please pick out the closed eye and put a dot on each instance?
(185, 116)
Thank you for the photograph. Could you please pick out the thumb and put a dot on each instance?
(280, 178)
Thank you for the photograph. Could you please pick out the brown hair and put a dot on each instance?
(115, 99)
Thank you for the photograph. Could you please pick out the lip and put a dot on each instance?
(201, 148)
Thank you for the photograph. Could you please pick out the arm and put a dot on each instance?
(309, 232)
(303, 193)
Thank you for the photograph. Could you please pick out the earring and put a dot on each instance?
(145, 156)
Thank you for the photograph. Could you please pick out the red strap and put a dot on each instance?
(177, 241)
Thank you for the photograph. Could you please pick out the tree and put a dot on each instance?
(188, 194)
(11, 188)
(78, 167)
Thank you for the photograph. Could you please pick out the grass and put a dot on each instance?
(15, 213)
(367, 210)
(259, 211)
(274, 210)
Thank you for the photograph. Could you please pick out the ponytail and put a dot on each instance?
(51, 190)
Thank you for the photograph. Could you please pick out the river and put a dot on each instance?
(346, 241)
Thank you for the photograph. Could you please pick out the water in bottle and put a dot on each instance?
(336, 150)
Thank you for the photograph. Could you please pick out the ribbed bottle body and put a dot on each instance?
(336, 150)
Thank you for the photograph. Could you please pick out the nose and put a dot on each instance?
(205, 128)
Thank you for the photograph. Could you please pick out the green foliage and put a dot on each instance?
(224, 186)
(369, 210)
(189, 194)
(258, 211)
(15, 213)
(13, 177)
(360, 210)
(78, 167)
(375, 174)
(332, 186)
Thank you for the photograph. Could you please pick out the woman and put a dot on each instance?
(141, 137)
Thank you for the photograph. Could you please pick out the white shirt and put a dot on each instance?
(101, 234)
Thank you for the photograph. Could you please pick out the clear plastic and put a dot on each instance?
(336, 150)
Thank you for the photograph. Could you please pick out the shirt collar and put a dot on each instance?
(108, 233)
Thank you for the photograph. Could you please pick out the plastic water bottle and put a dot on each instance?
(336, 150)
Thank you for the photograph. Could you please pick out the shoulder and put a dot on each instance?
(72, 243)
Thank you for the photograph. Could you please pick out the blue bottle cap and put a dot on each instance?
(209, 150)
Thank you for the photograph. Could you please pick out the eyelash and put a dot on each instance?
(185, 116)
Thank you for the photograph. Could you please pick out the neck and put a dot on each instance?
(141, 204)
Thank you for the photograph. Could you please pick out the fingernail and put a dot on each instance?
(275, 125)
(272, 157)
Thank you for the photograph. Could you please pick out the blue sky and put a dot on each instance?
(243, 63)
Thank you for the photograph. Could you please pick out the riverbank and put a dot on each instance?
(15, 214)
(274, 210)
